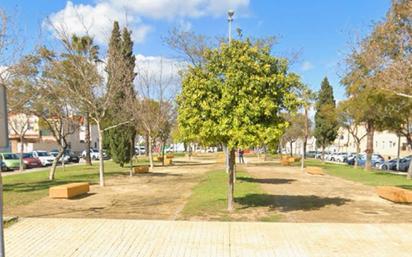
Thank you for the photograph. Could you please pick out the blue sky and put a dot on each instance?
(320, 30)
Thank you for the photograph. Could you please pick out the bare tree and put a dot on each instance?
(44, 96)
(153, 109)
(20, 123)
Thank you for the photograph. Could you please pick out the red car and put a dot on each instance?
(30, 161)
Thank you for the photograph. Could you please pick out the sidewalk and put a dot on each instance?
(103, 237)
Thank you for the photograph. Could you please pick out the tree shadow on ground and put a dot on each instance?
(188, 164)
(265, 164)
(286, 203)
(267, 180)
(46, 184)
(409, 187)
(157, 174)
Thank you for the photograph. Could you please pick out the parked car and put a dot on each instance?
(140, 150)
(311, 154)
(30, 161)
(68, 156)
(10, 160)
(45, 158)
(338, 157)
(3, 166)
(55, 152)
(376, 158)
(94, 154)
(387, 165)
(319, 155)
(404, 163)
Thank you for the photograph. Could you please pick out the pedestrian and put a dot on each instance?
(241, 153)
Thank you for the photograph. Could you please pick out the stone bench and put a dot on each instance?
(69, 190)
(314, 171)
(395, 194)
(141, 169)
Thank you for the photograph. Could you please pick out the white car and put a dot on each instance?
(94, 154)
(44, 157)
(65, 158)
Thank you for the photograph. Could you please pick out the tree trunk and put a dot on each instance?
(101, 161)
(150, 151)
(131, 156)
(21, 153)
(369, 145)
(409, 175)
(231, 185)
(323, 153)
(357, 153)
(226, 151)
(87, 139)
(305, 144)
(147, 139)
(52, 173)
(162, 149)
(291, 150)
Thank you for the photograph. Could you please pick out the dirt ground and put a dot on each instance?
(290, 194)
(300, 197)
(160, 194)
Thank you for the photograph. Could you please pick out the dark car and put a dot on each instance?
(311, 154)
(404, 163)
(30, 161)
(3, 166)
(68, 155)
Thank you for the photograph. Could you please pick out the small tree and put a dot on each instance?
(326, 126)
(235, 99)
(86, 87)
(349, 118)
(295, 130)
(153, 107)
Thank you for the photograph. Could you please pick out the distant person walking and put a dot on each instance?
(241, 153)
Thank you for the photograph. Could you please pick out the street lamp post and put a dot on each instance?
(230, 14)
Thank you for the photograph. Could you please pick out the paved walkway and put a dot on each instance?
(102, 237)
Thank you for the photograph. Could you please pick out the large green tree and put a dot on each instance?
(326, 125)
(235, 99)
(120, 56)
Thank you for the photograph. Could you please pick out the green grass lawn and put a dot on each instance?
(372, 178)
(209, 197)
(27, 187)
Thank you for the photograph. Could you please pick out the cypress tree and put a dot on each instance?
(120, 69)
(326, 125)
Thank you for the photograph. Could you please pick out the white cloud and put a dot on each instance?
(306, 66)
(155, 73)
(97, 19)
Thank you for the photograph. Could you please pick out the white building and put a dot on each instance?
(386, 143)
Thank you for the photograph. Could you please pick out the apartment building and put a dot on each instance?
(38, 137)
(386, 143)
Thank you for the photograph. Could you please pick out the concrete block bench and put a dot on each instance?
(395, 194)
(141, 169)
(68, 191)
(314, 171)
